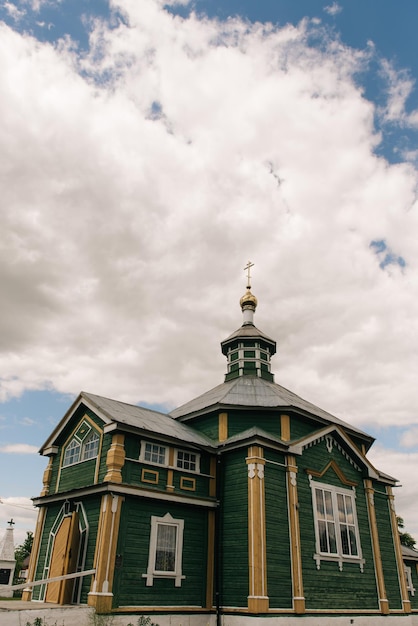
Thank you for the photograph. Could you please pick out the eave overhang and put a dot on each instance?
(253, 436)
(123, 490)
(208, 445)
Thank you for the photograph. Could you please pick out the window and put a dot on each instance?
(336, 527)
(155, 453)
(186, 460)
(72, 453)
(159, 455)
(409, 583)
(91, 446)
(83, 446)
(165, 550)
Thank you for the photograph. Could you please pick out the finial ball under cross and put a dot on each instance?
(248, 268)
(11, 523)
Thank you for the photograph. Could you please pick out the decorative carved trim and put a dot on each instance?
(330, 442)
(338, 471)
(188, 484)
(149, 476)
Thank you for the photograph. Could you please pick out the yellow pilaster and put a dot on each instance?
(406, 602)
(258, 601)
(101, 594)
(170, 472)
(47, 477)
(27, 593)
(285, 427)
(115, 459)
(377, 557)
(223, 426)
(294, 529)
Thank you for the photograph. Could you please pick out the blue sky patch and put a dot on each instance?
(385, 255)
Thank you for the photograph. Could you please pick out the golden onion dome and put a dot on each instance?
(248, 300)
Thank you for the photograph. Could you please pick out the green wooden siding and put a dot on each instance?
(83, 473)
(234, 530)
(387, 549)
(302, 426)
(50, 517)
(77, 475)
(92, 511)
(279, 579)
(206, 424)
(341, 586)
(133, 547)
(239, 421)
(414, 574)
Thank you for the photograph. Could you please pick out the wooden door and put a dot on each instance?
(64, 560)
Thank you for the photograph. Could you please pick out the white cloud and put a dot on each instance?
(409, 438)
(141, 178)
(27, 421)
(19, 448)
(22, 512)
(403, 467)
(399, 88)
(14, 12)
(333, 9)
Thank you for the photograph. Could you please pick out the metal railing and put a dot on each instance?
(45, 581)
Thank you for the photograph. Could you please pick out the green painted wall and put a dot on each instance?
(77, 475)
(80, 474)
(133, 546)
(341, 586)
(279, 579)
(234, 529)
(206, 424)
(302, 426)
(52, 512)
(387, 549)
(414, 574)
(239, 421)
(92, 510)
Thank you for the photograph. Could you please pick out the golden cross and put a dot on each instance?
(248, 267)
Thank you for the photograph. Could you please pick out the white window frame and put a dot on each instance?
(73, 444)
(152, 573)
(338, 556)
(93, 435)
(197, 461)
(142, 458)
(75, 441)
(408, 576)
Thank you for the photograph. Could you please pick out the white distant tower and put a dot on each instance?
(7, 561)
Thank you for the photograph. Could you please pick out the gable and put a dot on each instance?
(334, 438)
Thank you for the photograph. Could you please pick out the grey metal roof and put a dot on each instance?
(251, 391)
(249, 331)
(254, 432)
(409, 553)
(146, 419)
(130, 415)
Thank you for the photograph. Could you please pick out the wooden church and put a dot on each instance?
(246, 502)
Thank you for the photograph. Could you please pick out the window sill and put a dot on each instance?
(173, 575)
(340, 559)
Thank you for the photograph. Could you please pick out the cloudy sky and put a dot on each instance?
(148, 152)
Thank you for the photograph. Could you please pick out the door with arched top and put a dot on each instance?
(64, 560)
